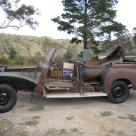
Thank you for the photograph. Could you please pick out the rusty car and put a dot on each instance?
(112, 76)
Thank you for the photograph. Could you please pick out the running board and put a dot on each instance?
(75, 95)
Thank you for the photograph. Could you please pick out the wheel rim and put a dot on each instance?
(4, 98)
(118, 92)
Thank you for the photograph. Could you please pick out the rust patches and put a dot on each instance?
(41, 88)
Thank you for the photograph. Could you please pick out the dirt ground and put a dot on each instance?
(69, 117)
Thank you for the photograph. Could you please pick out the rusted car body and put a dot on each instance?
(111, 76)
(120, 71)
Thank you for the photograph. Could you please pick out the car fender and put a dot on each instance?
(113, 74)
(18, 79)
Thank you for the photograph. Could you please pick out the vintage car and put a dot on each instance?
(112, 76)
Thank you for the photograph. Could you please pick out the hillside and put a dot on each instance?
(14, 47)
(30, 45)
(28, 50)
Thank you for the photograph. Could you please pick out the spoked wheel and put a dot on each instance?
(119, 92)
(8, 98)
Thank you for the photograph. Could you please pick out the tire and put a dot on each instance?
(8, 98)
(119, 92)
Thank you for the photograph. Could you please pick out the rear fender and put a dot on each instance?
(113, 74)
(17, 81)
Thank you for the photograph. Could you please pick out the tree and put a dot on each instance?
(134, 35)
(11, 52)
(124, 40)
(88, 19)
(17, 15)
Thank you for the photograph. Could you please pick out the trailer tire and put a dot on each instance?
(8, 98)
(119, 92)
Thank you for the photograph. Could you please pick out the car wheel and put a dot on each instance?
(8, 98)
(119, 92)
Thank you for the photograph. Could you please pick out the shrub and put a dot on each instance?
(20, 61)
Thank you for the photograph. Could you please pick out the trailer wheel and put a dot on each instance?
(119, 92)
(8, 98)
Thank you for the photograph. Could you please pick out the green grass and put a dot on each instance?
(36, 108)
(5, 127)
(20, 61)
(114, 132)
(106, 113)
(22, 133)
(30, 123)
(36, 117)
(132, 117)
(129, 116)
(63, 132)
(122, 117)
(2, 132)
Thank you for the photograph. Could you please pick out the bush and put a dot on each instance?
(20, 61)
(11, 52)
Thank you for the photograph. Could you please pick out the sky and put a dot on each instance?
(53, 8)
